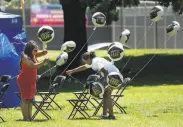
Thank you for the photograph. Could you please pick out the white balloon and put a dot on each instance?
(45, 34)
(99, 19)
(62, 59)
(156, 13)
(124, 37)
(68, 46)
(114, 79)
(96, 89)
(115, 51)
(173, 28)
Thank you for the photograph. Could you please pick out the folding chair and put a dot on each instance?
(84, 93)
(3, 90)
(83, 98)
(115, 97)
(52, 92)
(76, 103)
(19, 98)
(37, 105)
(0, 116)
(40, 104)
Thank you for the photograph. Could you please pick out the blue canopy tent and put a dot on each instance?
(12, 42)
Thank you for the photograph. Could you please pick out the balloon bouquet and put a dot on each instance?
(115, 50)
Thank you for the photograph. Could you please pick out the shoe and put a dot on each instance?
(103, 117)
(111, 117)
(126, 80)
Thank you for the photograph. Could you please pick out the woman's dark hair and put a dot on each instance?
(28, 50)
(88, 55)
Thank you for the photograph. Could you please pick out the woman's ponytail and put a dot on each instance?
(92, 55)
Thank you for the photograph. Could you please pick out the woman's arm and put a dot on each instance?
(31, 64)
(41, 53)
(78, 69)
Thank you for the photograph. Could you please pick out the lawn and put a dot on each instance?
(148, 106)
(150, 101)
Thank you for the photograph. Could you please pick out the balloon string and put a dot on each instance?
(70, 62)
(141, 40)
(149, 60)
(79, 51)
(76, 80)
(48, 70)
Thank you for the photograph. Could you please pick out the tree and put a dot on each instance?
(74, 18)
(177, 5)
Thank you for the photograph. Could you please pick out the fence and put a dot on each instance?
(138, 22)
(135, 19)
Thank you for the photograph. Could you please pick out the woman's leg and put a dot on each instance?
(24, 109)
(30, 109)
(109, 101)
(105, 103)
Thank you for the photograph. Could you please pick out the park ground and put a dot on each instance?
(149, 102)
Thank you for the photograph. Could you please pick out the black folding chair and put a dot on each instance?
(84, 93)
(83, 98)
(115, 98)
(52, 92)
(3, 90)
(77, 107)
(47, 99)
(0, 116)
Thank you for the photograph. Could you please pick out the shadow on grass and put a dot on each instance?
(91, 118)
(141, 80)
(37, 120)
(162, 70)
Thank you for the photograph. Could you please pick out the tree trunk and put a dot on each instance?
(75, 30)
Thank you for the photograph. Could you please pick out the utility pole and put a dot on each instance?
(156, 31)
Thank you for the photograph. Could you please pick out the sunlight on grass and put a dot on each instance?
(148, 106)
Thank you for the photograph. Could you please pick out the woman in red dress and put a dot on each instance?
(28, 76)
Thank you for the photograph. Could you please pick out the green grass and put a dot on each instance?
(150, 106)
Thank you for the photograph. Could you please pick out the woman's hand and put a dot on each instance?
(69, 72)
(45, 52)
(46, 61)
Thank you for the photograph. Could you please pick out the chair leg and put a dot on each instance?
(98, 108)
(118, 106)
(81, 111)
(38, 109)
(74, 106)
(92, 103)
(2, 119)
(19, 100)
(5, 106)
(52, 100)
(77, 108)
(82, 96)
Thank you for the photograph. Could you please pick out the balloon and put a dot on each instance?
(68, 46)
(114, 79)
(115, 51)
(124, 36)
(173, 28)
(156, 13)
(62, 59)
(99, 19)
(45, 34)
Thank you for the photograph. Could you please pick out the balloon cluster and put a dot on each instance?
(67, 47)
